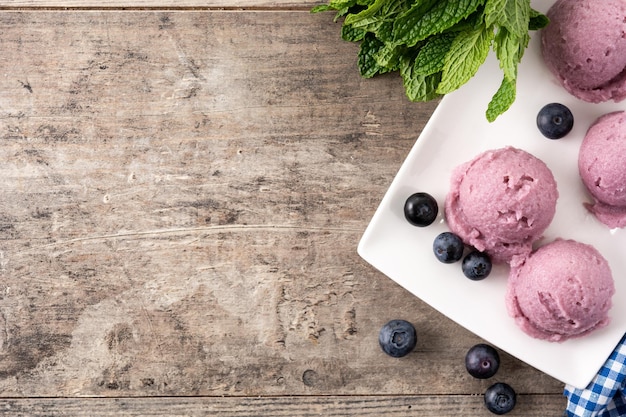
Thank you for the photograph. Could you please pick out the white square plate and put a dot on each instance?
(458, 131)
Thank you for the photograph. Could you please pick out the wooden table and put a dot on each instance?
(184, 186)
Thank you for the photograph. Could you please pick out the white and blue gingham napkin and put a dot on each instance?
(605, 396)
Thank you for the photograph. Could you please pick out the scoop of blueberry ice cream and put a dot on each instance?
(584, 46)
(501, 202)
(602, 168)
(562, 290)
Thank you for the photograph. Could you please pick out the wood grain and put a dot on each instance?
(374, 406)
(183, 194)
(161, 4)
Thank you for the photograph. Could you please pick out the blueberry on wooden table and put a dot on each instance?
(397, 338)
(500, 398)
(420, 209)
(482, 361)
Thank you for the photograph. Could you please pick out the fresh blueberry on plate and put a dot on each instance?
(420, 209)
(476, 265)
(448, 247)
(555, 120)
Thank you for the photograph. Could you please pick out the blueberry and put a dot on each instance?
(397, 338)
(482, 361)
(500, 398)
(476, 265)
(555, 120)
(421, 209)
(448, 247)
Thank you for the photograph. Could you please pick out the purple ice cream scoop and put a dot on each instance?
(584, 46)
(501, 202)
(602, 168)
(562, 290)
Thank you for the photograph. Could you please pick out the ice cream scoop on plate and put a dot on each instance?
(584, 46)
(602, 168)
(562, 290)
(501, 202)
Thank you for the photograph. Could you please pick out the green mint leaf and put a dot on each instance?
(429, 17)
(389, 56)
(468, 52)
(370, 46)
(537, 20)
(509, 51)
(342, 4)
(385, 31)
(321, 8)
(344, 7)
(391, 11)
(418, 87)
(352, 34)
(431, 57)
(365, 17)
(514, 15)
(439, 45)
(407, 21)
(379, 17)
(471, 22)
(502, 100)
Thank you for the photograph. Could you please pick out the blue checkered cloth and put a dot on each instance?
(605, 396)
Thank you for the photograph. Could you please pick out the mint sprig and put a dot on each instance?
(438, 45)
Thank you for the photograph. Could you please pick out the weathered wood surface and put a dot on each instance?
(179, 4)
(361, 406)
(183, 194)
